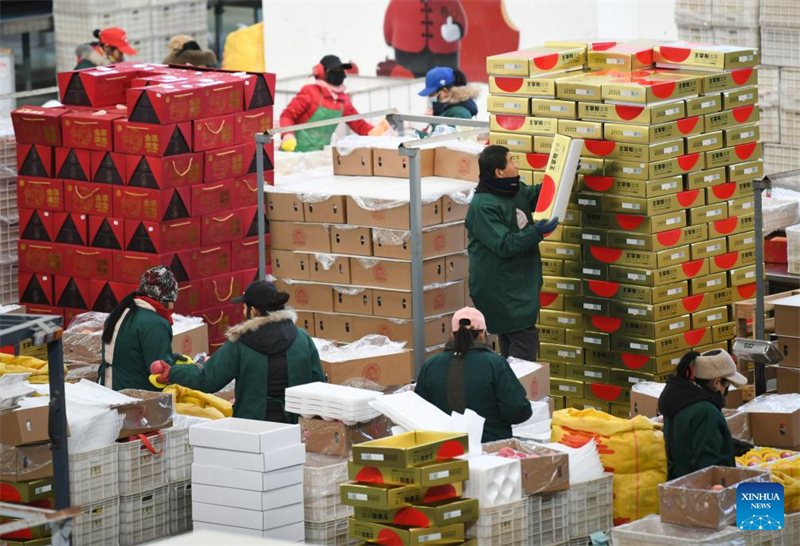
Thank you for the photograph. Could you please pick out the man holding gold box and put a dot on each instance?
(505, 268)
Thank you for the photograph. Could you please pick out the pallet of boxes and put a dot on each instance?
(658, 242)
(341, 246)
(168, 178)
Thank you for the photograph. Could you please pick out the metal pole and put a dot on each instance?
(417, 277)
(759, 369)
(58, 423)
(261, 141)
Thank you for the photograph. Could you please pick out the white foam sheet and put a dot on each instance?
(412, 412)
(347, 404)
(584, 462)
(649, 388)
(493, 480)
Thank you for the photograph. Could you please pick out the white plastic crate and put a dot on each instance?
(780, 13)
(649, 531)
(696, 34)
(769, 88)
(91, 6)
(8, 146)
(76, 28)
(779, 214)
(548, 519)
(502, 525)
(790, 89)
(144, 517)
(179, 455)
(693, 12)
(334, 533)
(793, 248)
(9, 283)
(791, 528)
(9, 237)
(779, 158)
(770, 125)
(93, 475)
(99, 524)
(735, 13)
(172, 19)
(780, 46)
(737, 36)
(790, 128)
(8, 195)
(322, 475)
(66, 58)
(591, 507)
(180, 507)
(326, 509)
(140, 468)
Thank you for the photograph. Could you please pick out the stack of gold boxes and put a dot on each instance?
(659, 241)
(407, 490)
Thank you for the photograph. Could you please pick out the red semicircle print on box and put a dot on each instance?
(605, 254)
(599, 183)
(741, 76)
(743, 113)
(687, 198)
(675, 54)
(546, 62)
(546, 298)
(370, 474)
(546, 194)
(629, 221)
(628, 113)
(604, 289)
(686, 126)
(663, 90)
(669, 238)
(690, 269)
(537, 161)
(600, 147)
(606, 324)
(744, 151)
(746, 291)
(634, 362)
(726, 226)
(450, 450)
(509, 85)
(726, 261)
(510, 123)
(694, 337)
(692, 303)
(724, 191)
(411, 517)
(687, 162)
(387, 537)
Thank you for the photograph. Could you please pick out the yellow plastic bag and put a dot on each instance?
(26, 364)
(199, 404)
(244, 49)
(632, 449)
(787, 473)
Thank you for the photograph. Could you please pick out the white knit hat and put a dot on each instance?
(718, 364)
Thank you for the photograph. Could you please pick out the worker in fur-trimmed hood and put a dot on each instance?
(184, 49)
(265, 354)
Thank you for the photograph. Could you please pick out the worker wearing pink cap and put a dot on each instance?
(470, 375)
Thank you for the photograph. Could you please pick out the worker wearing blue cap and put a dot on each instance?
(453, 97)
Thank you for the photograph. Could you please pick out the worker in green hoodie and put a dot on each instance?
(505, 267)
(265, 354)
(696, 433)
(469, 375)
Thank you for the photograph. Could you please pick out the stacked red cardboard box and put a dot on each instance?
(144, 165)
(659, 241)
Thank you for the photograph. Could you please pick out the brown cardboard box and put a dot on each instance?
(150, 412)
(191, 342)
(453, 211)
(456, 267)
(392, 218)
(352, 301)
(456, 164)
(644, 404)
(437, 301)
(335, 327)
(337, 439)
(307, 296)
(787, 316)
(328, 268)
(306, 322)
(788, 380)
(24, 426)
(24, 463)
(390, 163)
(330, 211)
(436, 241)
(535, 381)
(738, 424)
(690, 501)
(356, 241)
(438, 330)
(386, 370)
(301, 237)
(392, 274)
(285, 206)
(357, 163)
(776, 429)
(789, 347)
(545, 473)
(288, 265)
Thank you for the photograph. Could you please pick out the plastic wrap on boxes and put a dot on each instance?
(366, 347)
(390, 237)
(650, 531)
(738, 424)
(543, 468)
(83, 339)
(689, 500)
(150, 411)
(336, 439)
(649, 388)
(773, 403)
(326, 260)
(779, 213)
(25, 462)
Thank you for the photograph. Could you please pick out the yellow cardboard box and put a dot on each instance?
(638, 258)
(659, 277)
(628, 56)
(497, 104)
(704, 56)
(745, 171)
(536, 61)
(387, 534)
(735, 136)
(526, 87)
(710, 283)
(552, 108)
(581, 129)
(514, 142)
(432, 516)
(633, 152)
(717, 82)
(677, 166)
(709, 249)
(559, 353)
(523, 124)
(429, 475)
(650, 134)
(733, 225)
(741, 241)
(410, 450)
(658, 86)
(629, 187)
(659, 241)
(708, 213)
(735, 154)
(705, 142)
(739, 97)
(560, 319)
(654, 206)
(706, 104)
(705, 179)
(709, 317)
(731, 118)
(542, 144)
(627, 113)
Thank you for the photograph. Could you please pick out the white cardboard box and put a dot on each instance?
(247, 519)
(244, 435)
(289, 533)
(255, 462)
(249, 500)
(244, 479)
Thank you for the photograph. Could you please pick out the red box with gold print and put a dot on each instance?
(213, 198)
(89, 263)
(166, 103)
(40, 193)
(219, 290)
(129, 266)
(88, 198)
(161, 237)
(245, 188)
(223, 227)
(152, 140)
(176, 171)
(71, 228)
(251, 122)
(72, 164)
(213, 133)
(106, 232)
(211, 261)
(259, 87)
(189, 296)
(134, 203)
(90, 130)
(99, 86)
(38, 125)
(108, 168)
(104, 295)
(72, 292)
(222, 97)
(36, 225)
(250, 157)
(225, 163)
(244, 253)
(250, 221)
(220, 319)
(36, 289)
(41, 257)
(35, 160)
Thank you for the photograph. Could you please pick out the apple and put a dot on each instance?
(754, 463)
(787, 454)
(717, 488)
(770, 459)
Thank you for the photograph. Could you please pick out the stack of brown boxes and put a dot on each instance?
(348, 269)
(664, 206)
(407, 490)
(787, 330)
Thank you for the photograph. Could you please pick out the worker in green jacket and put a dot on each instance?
(139, 331)
(469, 375)
(505, 267)
(695, 431)
(451, 95)
(266, 354)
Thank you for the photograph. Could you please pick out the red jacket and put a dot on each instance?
(306, 102)
(411, 25)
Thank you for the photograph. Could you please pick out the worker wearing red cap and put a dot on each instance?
(111, 47)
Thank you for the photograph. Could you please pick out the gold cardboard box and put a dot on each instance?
(581, 129)
(577, 270)
(632, 188)
(659, 277)
(658, 241)
(723, 332)
(705, 179)
(731, 118)
(708, 213)
(588, 340)
(655, 330)
(700, 106)
(530, 161)
(627, 113)
(633, 170)
(734, 136)
(553, 108)
(709, 317)
(705, 142)
(635, 223)
(636, 294)
(559, 353)
(553, 268)
(658, 86)
(746, 171)
(581, 372)
(728, 191)
(581, 86)
(651, 134)
(741, 206)
(560, 319)
(514, 142)
(543, 144)
(591, 166)
(373, 532)
(429, 475)
(709, 249)
(566, 387)
(527, 87)
(735, 154)
(537, 60)
(594, 236)
(739, 97)
(520, 106)
(742, 241)
(593, 306)
(742, 275)
(551, 334)
(560, 251)
(554, 302)
(709, 283)
(561, 285)
(440, 514)
(704, 56)
(732, 260)
(633, 152)
(641, 259)
(523, 125)
(678, 166)
(733, 225)
(663, 346)
(411, 449)
(654, 206)
(717, 82)
(624, 56)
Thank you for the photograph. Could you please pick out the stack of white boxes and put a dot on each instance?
(247, 478)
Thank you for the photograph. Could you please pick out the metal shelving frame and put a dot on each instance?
(409, 149)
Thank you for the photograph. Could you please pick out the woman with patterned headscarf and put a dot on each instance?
(139, 331)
